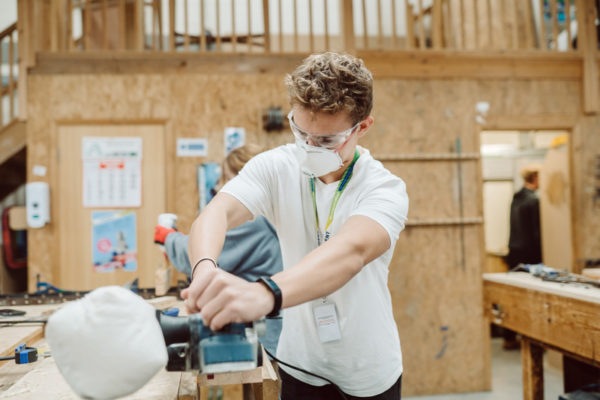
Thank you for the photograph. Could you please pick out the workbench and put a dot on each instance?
(42, 379)
(562, 317)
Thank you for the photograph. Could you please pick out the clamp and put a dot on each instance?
(23, 355)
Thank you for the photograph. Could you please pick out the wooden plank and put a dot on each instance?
(568, 24)
(542, 31)
(476, 23)
(379, 25)
(218, 22)
(532, 360)
(186, 26)
(233, 30)
(267, 26)
(11, 77)
(529, 26)
(172, 25)
(249, 36)
(104, 6)
(280, 22)
(421, 22)
(364, 22)
(295, 18)
(462, 25)
(348, 26)
(588, 42)
(311, 36)
(410, 28)
(202, 26)
(554, 11)
(122, 25)
(515, 25)
(13, 137)
(138, 24)
(69, 26)
(24, 33)
(490, 24)
(401, 64)
(45, 381)
(326, 20)
(394, 24)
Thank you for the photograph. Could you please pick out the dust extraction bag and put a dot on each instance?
(108, 344)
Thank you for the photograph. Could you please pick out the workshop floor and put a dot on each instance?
(507, 379)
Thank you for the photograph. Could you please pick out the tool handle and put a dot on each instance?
(174, 329)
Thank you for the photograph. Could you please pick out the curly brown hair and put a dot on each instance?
(332, 82)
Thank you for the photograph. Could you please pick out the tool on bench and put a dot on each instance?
(23, 355)
(191, 345)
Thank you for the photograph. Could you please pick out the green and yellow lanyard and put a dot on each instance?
(338, 193)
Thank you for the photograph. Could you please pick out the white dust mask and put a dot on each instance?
(317, 161)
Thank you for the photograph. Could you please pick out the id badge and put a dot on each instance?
(327, 322)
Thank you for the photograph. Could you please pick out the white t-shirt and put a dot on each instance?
(367, 360)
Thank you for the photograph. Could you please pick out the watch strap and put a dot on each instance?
(274, 289)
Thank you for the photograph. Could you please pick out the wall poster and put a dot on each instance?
(112, 171)
(114, 240)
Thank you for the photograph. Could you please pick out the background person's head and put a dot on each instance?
(530, 174)
(235, 161)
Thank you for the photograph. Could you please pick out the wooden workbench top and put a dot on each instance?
(527, 281)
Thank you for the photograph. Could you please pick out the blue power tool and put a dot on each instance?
(193, 346)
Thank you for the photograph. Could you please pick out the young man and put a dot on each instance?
(338, 213)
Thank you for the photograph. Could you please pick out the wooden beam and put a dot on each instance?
(326, 19)
(13, 138)
(394, 24)
(311, 36)
(202, 26)
(267, 26)
(233, 30)
(280, 24)
(87, 25)
(379, 25)
(542, 33)
(529, 26)
(398, 64)
(186, 26)
(348, 26)
(554, 11)
(588, 42)
(568, 24)
(421, 15)
(364, 21)
(249, 36)
(410, 27)
(122, 25)
(172, 25)
(138, 23)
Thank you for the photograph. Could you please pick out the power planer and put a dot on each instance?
(191, 345)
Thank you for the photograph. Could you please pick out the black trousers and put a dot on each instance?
(293, 389)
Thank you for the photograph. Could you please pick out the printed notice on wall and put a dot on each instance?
(112, 171)
(114, 240)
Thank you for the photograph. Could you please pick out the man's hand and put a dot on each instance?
(224, 298)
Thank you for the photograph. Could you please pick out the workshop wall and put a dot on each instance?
(435, 276)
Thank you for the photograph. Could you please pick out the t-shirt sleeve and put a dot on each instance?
(255, 184)
(387, 204)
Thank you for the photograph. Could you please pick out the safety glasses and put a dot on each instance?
(327, 141)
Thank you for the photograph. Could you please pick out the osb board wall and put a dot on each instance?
(437, 297)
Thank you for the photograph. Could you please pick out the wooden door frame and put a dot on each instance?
(539, 122)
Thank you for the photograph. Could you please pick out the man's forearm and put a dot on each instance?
(330, 266)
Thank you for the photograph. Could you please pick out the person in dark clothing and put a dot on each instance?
(524, 244)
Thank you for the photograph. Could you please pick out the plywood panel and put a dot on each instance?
(435, 305)
(437, 302)
(75, 268)
(555, 209)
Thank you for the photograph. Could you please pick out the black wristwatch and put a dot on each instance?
(272, 286)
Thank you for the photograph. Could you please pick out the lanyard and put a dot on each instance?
(336, 197)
